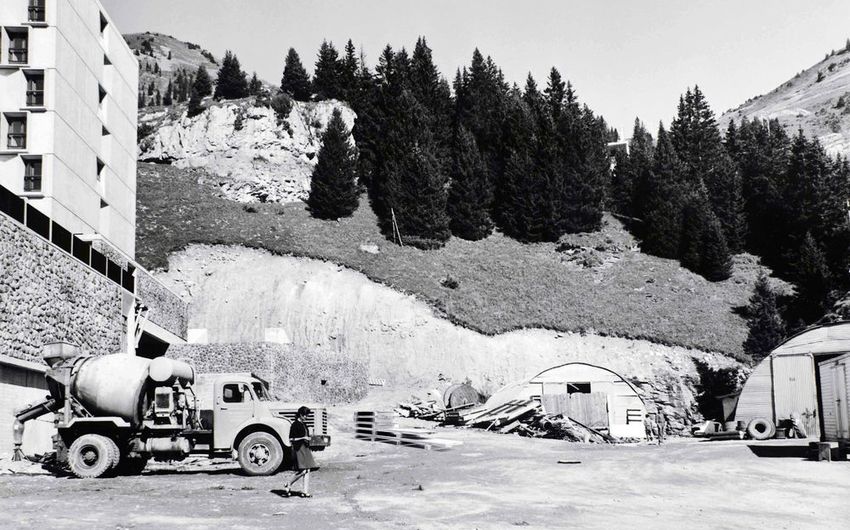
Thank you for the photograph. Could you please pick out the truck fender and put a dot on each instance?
(279, 426)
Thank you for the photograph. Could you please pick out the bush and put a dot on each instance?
(144, 130)
(281, 104)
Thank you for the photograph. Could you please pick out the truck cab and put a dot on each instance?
(234, 404)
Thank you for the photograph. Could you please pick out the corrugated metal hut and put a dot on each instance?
(806, 376)
(593, 395)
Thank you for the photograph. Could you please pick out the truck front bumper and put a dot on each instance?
(319, 442)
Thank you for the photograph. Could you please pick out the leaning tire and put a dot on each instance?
(761, 429)
(92, 456)
(260, 453)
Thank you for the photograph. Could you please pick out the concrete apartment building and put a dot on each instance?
(68, 85)
(68, 112)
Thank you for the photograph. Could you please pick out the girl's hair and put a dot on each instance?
(303, 411)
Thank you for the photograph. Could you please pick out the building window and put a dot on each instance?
(17, 136)
(35, 89)
(36, 11)
(17, 46)
(32, 174)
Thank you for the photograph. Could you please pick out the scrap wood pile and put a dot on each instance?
(374, 426)
(524, 417)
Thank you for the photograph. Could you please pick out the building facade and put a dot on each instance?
(68, 85)
(68, 112)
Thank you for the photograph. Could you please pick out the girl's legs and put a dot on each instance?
(307, 482)
(295, 478)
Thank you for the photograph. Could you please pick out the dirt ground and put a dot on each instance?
(491, 481)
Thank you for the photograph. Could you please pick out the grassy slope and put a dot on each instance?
(503, 285)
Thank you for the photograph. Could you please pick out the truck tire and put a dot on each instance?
(92, 456)
(260, 453)
(761, 429)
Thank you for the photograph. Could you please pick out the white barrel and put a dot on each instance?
(165, 371)
(112, 385)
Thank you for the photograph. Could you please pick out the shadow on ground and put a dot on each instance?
(780, 451)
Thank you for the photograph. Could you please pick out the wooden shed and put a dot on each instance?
(806, 375)
(592, 395)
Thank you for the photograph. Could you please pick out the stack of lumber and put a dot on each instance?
(374, 426)
(523, 417)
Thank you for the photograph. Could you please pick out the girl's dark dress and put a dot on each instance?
(301, 453)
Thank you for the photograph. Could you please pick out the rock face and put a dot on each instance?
(242, 295)
(254, 157)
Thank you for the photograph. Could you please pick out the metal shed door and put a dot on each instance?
(794, 390)
(839, 373)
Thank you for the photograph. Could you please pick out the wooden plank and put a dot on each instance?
(556, 404)
(510, 427)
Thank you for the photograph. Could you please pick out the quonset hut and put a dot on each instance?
(595, 396)
(805, 376)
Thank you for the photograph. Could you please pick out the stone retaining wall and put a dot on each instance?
(46, 295)
(295, 373)
(165, 308)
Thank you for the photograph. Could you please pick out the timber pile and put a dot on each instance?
(524, 417)
(373, 426)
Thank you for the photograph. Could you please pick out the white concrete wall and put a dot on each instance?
(69, 135)
(20, 387)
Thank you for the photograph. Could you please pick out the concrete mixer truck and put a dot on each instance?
(115, 412)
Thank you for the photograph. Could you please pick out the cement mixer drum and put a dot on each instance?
(112, 385)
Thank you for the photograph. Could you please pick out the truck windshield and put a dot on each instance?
(260, 390)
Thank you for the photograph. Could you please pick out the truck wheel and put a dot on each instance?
(260, 453)
(761, 429)
(92, 456)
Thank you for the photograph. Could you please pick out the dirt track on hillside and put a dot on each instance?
(491, 481)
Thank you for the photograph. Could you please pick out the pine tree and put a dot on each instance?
(696, 138)
(470, 195)
(333, 188)
(433, 93)
(255, 86)
(348, 67)
(765, 325)
(327, 80)
(812, 277)
(158, 98)
(168, 99)
(555, 92)
(295, 81)
(201, 88)
(703, 247)
(232, 81)
(664, 201)
(142, 100)
(409, 182)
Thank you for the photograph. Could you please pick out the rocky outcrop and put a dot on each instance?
(244, 295)
(46, 295)
(254, 156)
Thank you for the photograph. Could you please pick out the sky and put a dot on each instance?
(625, 58)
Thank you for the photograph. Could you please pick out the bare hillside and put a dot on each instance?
(162, 58)
(816, 100)
(597, 282)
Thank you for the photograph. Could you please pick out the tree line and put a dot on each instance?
(441, 160)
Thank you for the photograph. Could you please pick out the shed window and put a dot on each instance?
(35, 89)
(578, 388)
(32, 174)
(36, 11)
(17, 135)
(17, 46)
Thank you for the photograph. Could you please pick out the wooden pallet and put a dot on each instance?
(378, 427)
